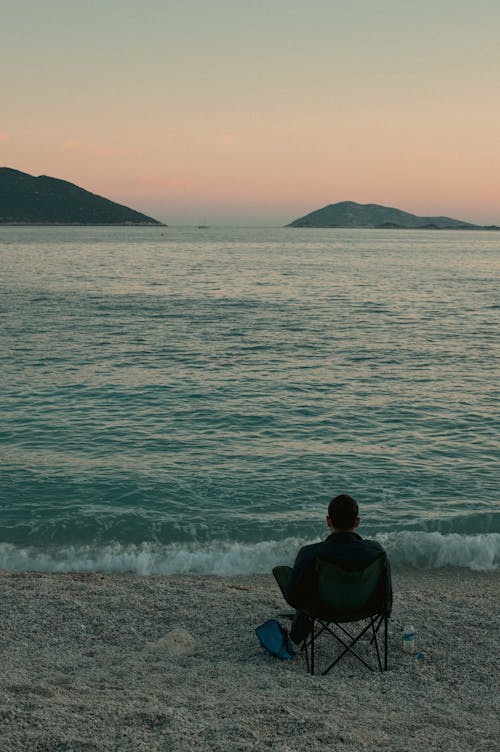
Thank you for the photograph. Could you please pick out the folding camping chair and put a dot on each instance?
(347, 596)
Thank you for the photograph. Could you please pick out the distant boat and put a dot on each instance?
(204, 225)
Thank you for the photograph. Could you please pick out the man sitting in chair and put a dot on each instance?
(343, 547)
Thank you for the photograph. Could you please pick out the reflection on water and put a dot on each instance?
(165, 388)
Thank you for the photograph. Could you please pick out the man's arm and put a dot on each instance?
(389, 585)
(301, 578)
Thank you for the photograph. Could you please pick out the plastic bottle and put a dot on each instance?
(409, 639)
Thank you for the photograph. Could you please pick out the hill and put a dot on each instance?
(351, 214)
(27, 200)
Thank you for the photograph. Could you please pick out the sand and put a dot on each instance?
(92, 662)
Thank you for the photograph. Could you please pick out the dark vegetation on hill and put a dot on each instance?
(351, 214)
(29, 200)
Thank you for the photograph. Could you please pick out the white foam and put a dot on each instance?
(431, 550)
(216, 558)
(426, 550)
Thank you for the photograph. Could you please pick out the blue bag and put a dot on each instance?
(274, 639)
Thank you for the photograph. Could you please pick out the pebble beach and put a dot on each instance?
(99, 662)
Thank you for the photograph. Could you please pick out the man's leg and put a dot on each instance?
(301, 624)
(282, 575)
(301, 627)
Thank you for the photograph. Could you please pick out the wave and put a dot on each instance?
(433, 550)
(422, 550)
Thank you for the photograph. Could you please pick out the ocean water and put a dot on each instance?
(184, 400)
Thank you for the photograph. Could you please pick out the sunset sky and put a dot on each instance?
(257, 111)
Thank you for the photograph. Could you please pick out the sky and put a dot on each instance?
(256, 112)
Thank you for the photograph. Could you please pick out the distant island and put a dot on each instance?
(29, 200)
(374, 216)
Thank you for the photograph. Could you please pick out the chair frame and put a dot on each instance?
(374, 623)
(375, 620)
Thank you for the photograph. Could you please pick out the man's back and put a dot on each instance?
(343, 547)
(347, 549)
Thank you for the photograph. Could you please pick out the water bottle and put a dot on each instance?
(409, 639)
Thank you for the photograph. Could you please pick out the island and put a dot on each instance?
(29, 200)
(373, 216)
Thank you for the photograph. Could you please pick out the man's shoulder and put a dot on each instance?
(339, 540)
(310, 550)
(351, 548)
(312, 546)
(372, 544)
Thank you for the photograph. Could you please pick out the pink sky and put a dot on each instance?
(253, 112)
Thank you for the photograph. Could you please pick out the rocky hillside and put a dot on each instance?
(25, 199)
(351, 214)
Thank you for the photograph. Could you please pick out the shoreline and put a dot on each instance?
(474, 552)
(87, 665)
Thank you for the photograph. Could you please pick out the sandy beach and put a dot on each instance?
(89, 663)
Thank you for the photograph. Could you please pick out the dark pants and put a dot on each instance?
(301, 624)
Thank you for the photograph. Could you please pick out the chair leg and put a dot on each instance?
(374, 640)
(348, 648)
(380, 620)
(306, 651)
(374, 625)
(385, 642)
(312, 648)
(308, 644)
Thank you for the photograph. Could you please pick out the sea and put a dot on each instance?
(185, 400)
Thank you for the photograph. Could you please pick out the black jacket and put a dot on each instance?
(348, 550)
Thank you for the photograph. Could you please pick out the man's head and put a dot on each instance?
(343, 514)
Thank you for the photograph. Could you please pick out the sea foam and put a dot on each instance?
(422, 550)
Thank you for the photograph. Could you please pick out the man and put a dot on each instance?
(343, 547)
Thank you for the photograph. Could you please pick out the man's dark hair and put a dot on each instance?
(343, 511)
